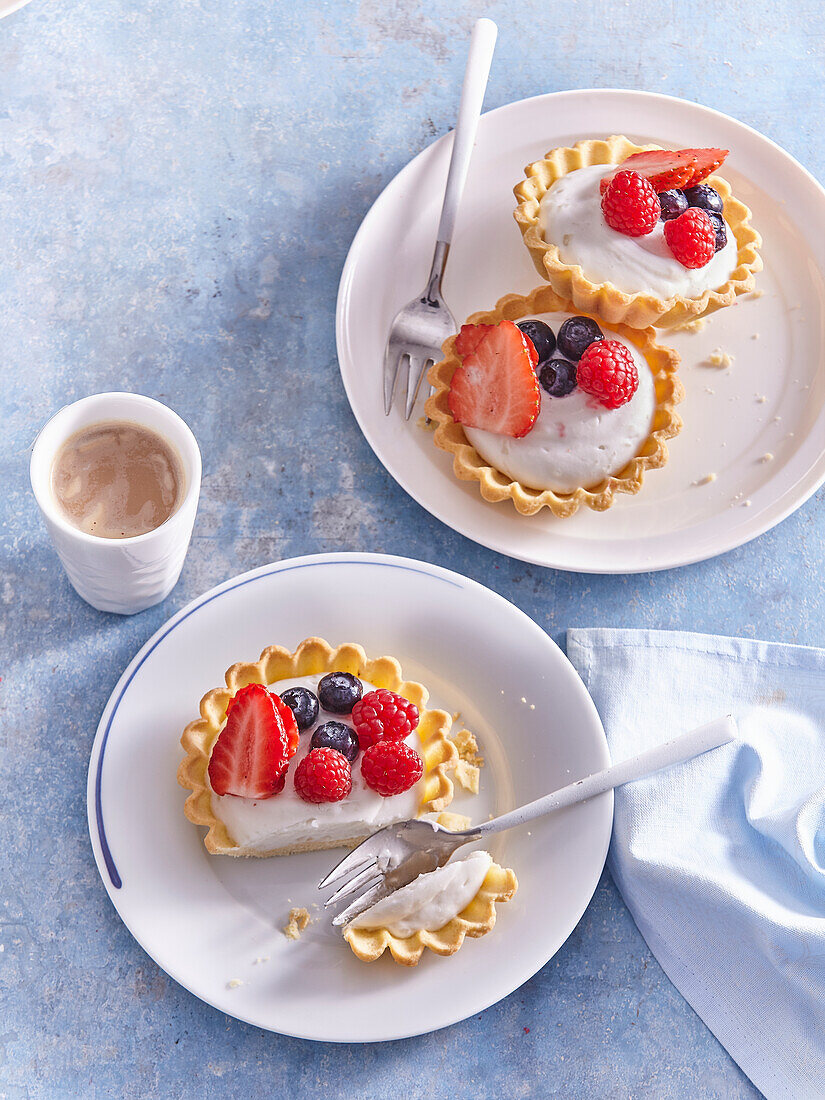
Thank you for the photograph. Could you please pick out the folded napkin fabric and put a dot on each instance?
(721, 860)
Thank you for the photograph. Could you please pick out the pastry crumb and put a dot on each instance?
(706, 480)
(425, 424)
(746, 504)
(299, 918)
(766, 457)
(261, 959)
(709, 389)
(755, 336)
(692, 326)
(467, 776)
(756, 293)
(761, 399)
(456, 823)
(233, 983)
(720, 359)
(468, 750)
(456, 715)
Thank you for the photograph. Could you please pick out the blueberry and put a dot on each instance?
(704, 197)
(335, 735)
(719, 227)
(576, 335)
(303, 704)
(339, 692)
(557, 377)
(673, 203)
(542, 337)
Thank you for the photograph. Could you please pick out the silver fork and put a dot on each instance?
(422, 326)
(397, 854)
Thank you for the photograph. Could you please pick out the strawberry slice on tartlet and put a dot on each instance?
(670, 169)
(250, 757)
(707, 161)
(495, 388)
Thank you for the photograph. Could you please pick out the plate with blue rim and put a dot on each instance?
(214, 923)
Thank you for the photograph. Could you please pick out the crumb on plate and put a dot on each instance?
(719, 358)
(456, 823)
(467, 776)
(467, 746)
(299, 918)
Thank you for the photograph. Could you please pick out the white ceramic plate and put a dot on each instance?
(772, 401)
(8, 6)
(207, 919)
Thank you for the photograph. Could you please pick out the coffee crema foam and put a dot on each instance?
(117, 479)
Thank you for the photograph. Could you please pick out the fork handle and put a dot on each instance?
(482, 44)
(672, 752)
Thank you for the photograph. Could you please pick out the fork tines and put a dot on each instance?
(412, 369)
(360, 882)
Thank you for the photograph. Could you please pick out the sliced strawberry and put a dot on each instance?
(495, 388)
(470, 337)
(290, 725)
(664, 169)
(287, 717)
(707, 161)
(251, 754)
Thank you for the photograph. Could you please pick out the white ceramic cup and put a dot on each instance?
(120, 575)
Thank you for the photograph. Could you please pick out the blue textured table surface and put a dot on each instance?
(179, 184)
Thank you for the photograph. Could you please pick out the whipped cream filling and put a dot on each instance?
(286, 821)
(429, 901)
(570, 216)
(575, 442)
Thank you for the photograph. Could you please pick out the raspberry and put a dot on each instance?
(323, 775)
(691, 238)
(383, 715)
(391, 767)
(608, 373)
(630, 205)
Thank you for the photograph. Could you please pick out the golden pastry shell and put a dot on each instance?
(468, 465)
(313, 656)
(614, 305)
(476, 919)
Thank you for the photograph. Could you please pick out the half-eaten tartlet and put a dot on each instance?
(436, 911)
(637, 234)
(313, 749)
(552, 409)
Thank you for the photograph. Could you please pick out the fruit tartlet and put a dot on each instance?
(553, 409)
(638, 234)
(313, 749)
(435, 911)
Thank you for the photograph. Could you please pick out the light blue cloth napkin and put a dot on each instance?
(721, 860)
